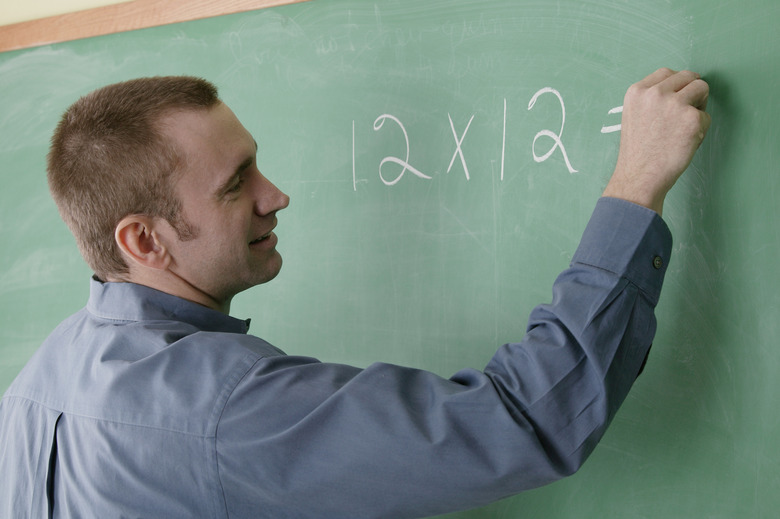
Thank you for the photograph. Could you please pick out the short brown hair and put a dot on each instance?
(109, 159)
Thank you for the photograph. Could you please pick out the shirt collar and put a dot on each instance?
(133, 302)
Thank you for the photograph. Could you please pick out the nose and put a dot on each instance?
(269, 198)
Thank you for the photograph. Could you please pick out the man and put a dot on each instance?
(153, 402)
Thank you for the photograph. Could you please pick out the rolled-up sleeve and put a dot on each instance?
(301, 438)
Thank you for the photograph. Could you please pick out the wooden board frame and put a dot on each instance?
(127, 16)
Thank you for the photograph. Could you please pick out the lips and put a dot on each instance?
(261, 238)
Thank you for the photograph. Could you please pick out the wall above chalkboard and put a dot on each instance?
(125, 16)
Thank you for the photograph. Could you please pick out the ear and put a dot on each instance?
(140, 241)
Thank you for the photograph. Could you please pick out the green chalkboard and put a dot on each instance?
(443, 158)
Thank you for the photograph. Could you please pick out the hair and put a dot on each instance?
(109, 159)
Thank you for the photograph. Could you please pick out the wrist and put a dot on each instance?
(637, 194)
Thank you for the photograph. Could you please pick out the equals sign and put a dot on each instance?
(616, 127)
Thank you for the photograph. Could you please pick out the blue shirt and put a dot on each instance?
(146, 405)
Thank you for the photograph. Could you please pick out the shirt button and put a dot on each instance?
(658, 262)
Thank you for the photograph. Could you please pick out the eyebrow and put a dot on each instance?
(227, 184)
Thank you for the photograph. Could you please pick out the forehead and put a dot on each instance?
(216, 127)
(211, 142)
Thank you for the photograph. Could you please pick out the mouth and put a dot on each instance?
(261, 238)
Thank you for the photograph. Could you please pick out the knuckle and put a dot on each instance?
(702, 85)
(691, 121)
(634, 91)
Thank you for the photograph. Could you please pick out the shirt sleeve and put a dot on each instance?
(301, 438)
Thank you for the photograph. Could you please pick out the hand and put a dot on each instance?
(664, 123)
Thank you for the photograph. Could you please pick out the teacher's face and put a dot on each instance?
(229, 204)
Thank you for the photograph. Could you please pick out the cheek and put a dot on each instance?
(220, 236)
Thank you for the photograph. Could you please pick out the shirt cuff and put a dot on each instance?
(628, 240)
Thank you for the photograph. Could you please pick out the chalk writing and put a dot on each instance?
(547, 133)
(380, 121)
(503, 143)
(615, 127)
(458, 149)
(354, 176)
(391, 179)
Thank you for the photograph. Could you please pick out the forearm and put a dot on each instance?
(583, 351)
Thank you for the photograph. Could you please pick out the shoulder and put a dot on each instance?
(160, 374)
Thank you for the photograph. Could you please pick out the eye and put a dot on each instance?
(236, 187)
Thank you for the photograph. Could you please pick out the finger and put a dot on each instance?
(678, 81)
(656, 77)
(696, 93)
(705, 120)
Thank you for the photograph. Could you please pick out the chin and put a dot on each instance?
(271, 272)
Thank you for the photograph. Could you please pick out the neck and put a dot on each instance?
(175, 285)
